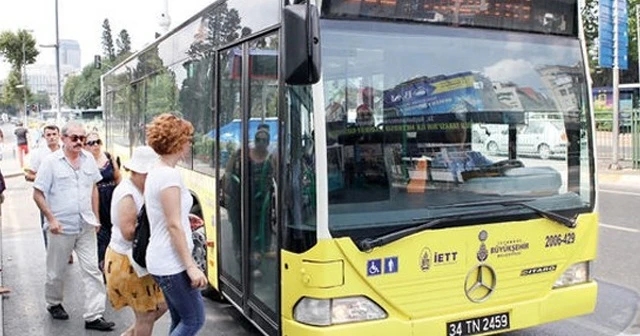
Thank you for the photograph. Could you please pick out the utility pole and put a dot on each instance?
(615, 128)
(24, 77)
(57, 45)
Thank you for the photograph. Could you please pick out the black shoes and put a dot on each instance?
(99, 324)
(58, 313)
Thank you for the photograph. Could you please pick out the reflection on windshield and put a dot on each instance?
(424, 117)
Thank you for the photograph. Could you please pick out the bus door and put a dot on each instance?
(249, 141)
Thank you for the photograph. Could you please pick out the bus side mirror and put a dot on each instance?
(301, 44)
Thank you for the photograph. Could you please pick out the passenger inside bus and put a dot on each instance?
(364, 112)
(262, 173)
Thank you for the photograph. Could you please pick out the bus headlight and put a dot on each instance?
(575, 274)
(325, 312)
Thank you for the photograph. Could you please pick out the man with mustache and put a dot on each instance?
(65, 190)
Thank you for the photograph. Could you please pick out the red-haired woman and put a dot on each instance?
(168, 203)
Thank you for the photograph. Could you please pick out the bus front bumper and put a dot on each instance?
(560, 304)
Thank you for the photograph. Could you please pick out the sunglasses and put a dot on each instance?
(75, 138)
(94, 142)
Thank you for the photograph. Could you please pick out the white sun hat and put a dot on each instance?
(142, 160)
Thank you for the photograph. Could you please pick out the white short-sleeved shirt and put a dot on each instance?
(124, 189)
(38, 155)
(68, 191)
(162, 258)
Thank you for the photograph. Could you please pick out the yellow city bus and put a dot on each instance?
(368, 167)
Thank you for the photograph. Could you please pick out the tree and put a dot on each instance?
(83, 91)
(107, 41)
(42, 99)
(604, 76)
(69, 93)
(123, 43)
(11, 48)
(11, 95)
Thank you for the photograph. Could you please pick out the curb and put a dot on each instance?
(14, 174)
(622, 179)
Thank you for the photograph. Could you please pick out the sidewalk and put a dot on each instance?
(625, 177)
(10, 170)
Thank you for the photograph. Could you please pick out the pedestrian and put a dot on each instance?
(125, 286)
(21, 134)
(65, 191)
(52, 136)
(169, 257)
(110, 172)
(1, 144)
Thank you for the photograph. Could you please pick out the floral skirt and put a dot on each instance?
(125, 288)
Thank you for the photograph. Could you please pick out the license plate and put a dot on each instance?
(478, 325)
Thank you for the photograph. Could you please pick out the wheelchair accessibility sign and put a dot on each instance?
(376, 266)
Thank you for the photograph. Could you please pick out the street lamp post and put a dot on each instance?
(24, 80)
(58, 66)
(24, 74)
(58, 83)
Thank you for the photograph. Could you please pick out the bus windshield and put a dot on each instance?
(422, 119)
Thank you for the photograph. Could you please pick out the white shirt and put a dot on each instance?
(162, 258)
(38, 155)
(68, 191)
(124, 189)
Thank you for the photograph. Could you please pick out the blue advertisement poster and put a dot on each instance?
(443, 94)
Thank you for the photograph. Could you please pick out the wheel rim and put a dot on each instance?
(200, 249)
(492, 147)
(544, 152)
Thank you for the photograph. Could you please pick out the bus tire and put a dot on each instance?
(199, 254)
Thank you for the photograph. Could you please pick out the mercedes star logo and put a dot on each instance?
(480, 283)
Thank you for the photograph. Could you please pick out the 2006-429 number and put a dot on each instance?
(559, 239)
(478, 325)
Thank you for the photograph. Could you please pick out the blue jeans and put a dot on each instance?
(184, 302)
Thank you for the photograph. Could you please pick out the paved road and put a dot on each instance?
(23, 270)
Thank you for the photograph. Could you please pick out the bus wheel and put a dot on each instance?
(199, 254)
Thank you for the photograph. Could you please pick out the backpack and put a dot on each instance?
(141, 238)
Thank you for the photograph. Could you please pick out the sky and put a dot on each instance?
(81, 20)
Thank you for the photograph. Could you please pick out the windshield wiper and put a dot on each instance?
(552, 216)
(368, 244)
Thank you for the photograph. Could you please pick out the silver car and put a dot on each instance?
(544, 139)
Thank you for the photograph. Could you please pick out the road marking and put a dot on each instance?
(630, 193)
(620, 228)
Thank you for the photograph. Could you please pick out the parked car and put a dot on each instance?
(544, 139)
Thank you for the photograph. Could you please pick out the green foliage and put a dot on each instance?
(69, 92)
(161, 94)
(11, 95)
(123, 43)
(202, 147)
(600, 76)
(18, 49)
(11, 45)
(42, 99)
(107, 41)
(83, 91)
